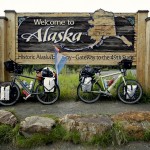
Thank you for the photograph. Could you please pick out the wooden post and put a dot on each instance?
(11, 36)
(141, 46)
(11, 33)
(147, 57)
(3, 22)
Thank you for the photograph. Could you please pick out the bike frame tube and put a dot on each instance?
(102, 77)
(16, 77)
(118, 78)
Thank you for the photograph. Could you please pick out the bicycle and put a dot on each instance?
(10, 91)
(89, 90)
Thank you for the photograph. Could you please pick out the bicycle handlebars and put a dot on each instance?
(38, 69)
(97, 69)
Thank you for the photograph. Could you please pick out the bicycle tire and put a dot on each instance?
(89, 97)
(125, 95)
(47, 98)
(14, 94)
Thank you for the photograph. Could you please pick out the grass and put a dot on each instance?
(37, 139)
(73, 136)
(145, 98)
(68, 86)
(115, 136)
(119, 135)
(6, 133)
(58, 133)
(103, 140)
(147, 136)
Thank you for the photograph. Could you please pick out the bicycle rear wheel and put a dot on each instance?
(89, 97)
(130, 93)
(14, 94)
(47, 97)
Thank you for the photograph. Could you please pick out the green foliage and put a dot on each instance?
(68, 86)
(6, 134)
(30, 68)
(35, 140)
(145, 98)
(119, 135)
(130, 75)
(103, 140)
(58, 133)
(73, 136)
(116, 136)
(38, 139)
(15, 130)
(147, 136)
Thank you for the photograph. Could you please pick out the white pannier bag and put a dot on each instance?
(5, 93)
(2, 93)
(7, 90)
(130, 91)
(49, 84)
(87, 85)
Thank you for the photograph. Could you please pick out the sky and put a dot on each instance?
(123, 6)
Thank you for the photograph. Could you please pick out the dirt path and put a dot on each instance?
(61, 108)
(70, 146)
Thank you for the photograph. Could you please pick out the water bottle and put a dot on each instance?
(31, 85)
(26, 94)
(25, 83)
(105, 84)
(111, 82)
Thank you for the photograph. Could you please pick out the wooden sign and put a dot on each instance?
(99, 38)
(97, 35)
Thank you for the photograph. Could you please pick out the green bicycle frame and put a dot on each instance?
(102, 77)
(16, 79)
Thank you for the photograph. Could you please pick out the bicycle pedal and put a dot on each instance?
(105, 95)
(25, 98)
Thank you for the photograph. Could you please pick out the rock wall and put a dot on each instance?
(133, 124)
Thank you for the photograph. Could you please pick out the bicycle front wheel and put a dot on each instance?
(10, 97)
(89, 97)
(47, 98)
(130, 93)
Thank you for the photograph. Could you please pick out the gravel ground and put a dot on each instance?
(60, 108)
(70, 146)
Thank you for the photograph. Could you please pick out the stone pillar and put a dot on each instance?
(147, 57)
(3, 25)
(141, 46)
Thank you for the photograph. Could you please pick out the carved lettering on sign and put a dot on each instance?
(55, 37)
